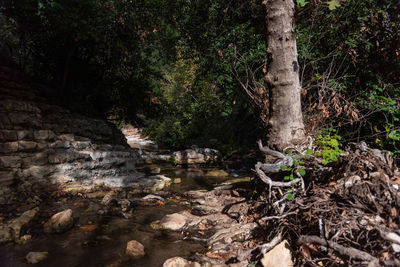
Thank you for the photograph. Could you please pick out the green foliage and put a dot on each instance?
(333, 4)
(350, 67)
(296, 171)
(101, 56)
(329, 145)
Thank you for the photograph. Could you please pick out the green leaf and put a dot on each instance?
(301, 3)
(290, 196)
(309, 152)
(333, 4)
(324, 161)
(302, 172)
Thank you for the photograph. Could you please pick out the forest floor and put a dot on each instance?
(347, 214)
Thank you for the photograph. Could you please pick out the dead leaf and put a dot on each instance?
(89, 227)
(306, 251)
(212, 255)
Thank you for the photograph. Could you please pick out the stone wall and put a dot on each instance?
(42, 142)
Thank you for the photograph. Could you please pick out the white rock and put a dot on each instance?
(180, 262)
(279, 256)
(36, 257)
(59, 222)
(396, 248)
(173, 222)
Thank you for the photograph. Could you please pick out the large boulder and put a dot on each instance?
(59, 223)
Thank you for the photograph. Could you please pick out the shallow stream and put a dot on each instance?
(100, 240)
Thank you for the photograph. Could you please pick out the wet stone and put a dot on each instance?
(134, 250)
(22, 221)
(36, 257)
(59, 223)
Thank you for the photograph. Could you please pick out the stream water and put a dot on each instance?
(99, 240)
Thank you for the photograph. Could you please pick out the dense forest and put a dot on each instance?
(192, 72)
(277, 123)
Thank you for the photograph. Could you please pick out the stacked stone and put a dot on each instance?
(41, 142)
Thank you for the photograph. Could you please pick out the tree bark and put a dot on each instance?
(285, 124)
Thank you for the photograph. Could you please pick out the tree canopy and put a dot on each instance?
(192, 72)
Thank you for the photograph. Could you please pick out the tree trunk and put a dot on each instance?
(285, 125)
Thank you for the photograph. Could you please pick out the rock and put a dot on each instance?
(59, 222)
(153, 197)
(6, 178)
(173, 222)
(196, 155)
(180, 262)
(134, 249)
(396, 248)
(116, 263)
(279, 256)
(60, 144)
(217, 173)
(6, 235)
(37, 172)
(161, 182)
(36, 257)
(27, 146)
(108, 200)
(25, 238)
(125, 204)
(43, 135)
(177, 180)
(10, 162)
(24, 134)
(9, 147)
(8, 135)
(155, 170)
(22, 221)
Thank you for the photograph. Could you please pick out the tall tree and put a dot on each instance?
(282, 78)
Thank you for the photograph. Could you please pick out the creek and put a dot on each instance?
(99, 238)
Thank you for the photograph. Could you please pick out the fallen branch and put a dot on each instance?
(264, 248)
(269, 218)
(270, 245)
(347, 251)
(390, 236)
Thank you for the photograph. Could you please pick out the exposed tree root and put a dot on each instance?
(352, 204)
(347, 251)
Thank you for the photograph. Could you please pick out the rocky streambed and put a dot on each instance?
(193, 217)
